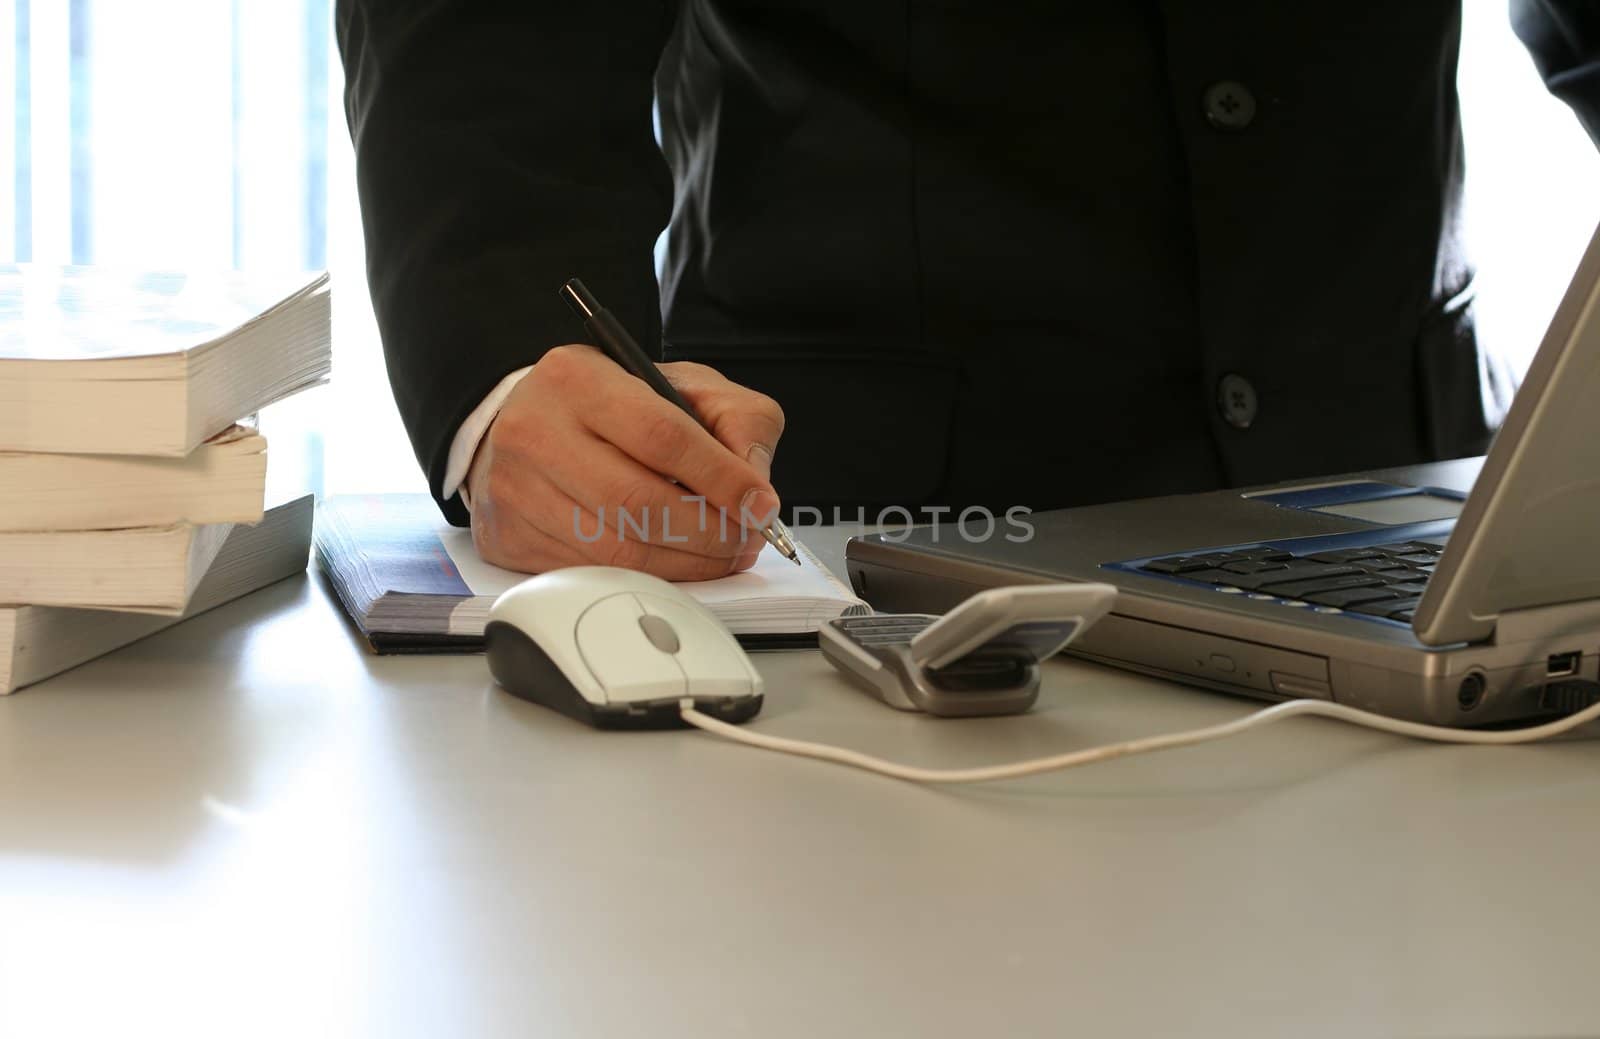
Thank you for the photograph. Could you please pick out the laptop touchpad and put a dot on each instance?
(1408, 508)
(1369, 501)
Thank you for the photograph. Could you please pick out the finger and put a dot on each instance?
(747, 558)
(504, 537)
(630, 498)
(541, 529)
(747, 422)
(603, 544)
(624, 411)
(667, 441)
(533, 439)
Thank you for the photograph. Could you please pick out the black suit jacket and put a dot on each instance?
(1032, 253)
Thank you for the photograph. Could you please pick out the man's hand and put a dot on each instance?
(580, 440)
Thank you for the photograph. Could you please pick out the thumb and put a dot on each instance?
(746, 422)
(760, 458)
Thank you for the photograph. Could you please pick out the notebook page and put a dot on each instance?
(774, 579)
(485, 580)
(776, 595)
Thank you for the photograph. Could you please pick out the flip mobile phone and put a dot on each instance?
(980, 658)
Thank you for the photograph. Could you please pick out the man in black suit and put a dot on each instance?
(953, 253)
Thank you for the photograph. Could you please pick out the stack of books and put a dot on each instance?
(132, 479)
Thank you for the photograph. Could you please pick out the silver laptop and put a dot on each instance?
(1456, 593)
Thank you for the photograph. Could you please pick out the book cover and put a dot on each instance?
(37, 642)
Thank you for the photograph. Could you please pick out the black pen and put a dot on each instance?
(618, 345)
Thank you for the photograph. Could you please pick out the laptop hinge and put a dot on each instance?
(1546, 622)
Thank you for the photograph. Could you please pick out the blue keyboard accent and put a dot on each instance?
(1386, 570)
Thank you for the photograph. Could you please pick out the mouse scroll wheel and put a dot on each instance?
(659, 632)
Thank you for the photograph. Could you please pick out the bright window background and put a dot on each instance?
(210, 133)
(202, 133)
(1533, 183)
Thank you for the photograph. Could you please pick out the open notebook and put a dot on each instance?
(414, 584)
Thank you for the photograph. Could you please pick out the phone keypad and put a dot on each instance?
(886, 629)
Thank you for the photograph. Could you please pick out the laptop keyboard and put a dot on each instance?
(1385, 581)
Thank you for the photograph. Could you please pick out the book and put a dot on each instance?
(99, 362)
(221, 481)
(39, 641)
(412, 583)
(143, 569)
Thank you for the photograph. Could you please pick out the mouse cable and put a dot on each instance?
(1145, 745)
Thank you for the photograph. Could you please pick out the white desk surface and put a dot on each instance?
(248, 826)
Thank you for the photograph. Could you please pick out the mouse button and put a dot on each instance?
(659, 632)
(624, 662)
(713, 660)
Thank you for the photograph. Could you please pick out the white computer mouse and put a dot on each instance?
(617, 649)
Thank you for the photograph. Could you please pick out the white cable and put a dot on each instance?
(1277, 712)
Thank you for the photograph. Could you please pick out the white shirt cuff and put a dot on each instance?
(465, 445)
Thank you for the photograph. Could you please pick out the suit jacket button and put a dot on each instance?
(1229, 105)
(1236, 399)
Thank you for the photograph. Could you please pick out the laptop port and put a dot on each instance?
(1470, 693)
(1562, 665)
